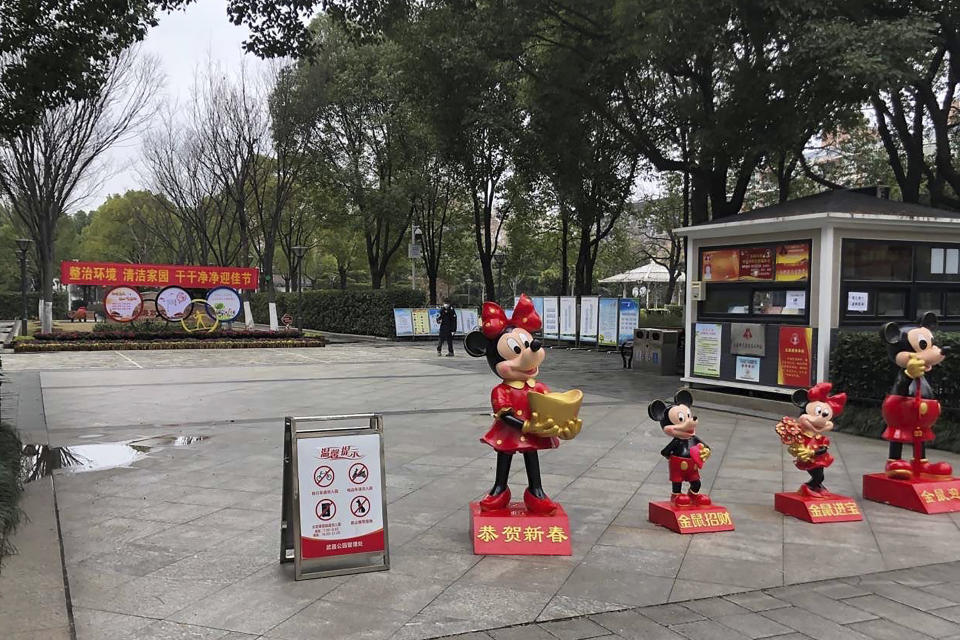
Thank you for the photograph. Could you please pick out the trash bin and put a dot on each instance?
(660, 351)
(640, 348)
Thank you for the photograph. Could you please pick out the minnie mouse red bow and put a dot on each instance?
(493, 320)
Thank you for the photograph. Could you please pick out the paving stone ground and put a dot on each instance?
(184, 542)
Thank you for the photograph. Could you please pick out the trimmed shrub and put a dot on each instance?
(859, 367)
(11, 487)
(662, 318)
(11, 306)
(362, 312)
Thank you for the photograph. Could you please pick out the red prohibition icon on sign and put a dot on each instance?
(358, 473)
(360, 506)
(323, 476)
(326, 509)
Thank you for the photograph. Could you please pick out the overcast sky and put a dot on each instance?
(184, 41)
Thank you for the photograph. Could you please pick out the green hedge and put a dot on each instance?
(11, 305)
(859, 367)
(362, 312)
(11, 486)
(662, 318)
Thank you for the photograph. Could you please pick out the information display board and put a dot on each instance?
(403, 322)
(334, 509)
(551, 318)
(467, 320)
(607, 322)
(568, 318)
(225, 303)
(421, 322)
(123, 304)
(174, 304)
(589, 307)
(434, 315)
(629, 318)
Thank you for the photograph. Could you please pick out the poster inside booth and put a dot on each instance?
(334, 507)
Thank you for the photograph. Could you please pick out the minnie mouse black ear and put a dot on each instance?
(475, 344)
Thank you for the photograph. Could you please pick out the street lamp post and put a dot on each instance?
(23, 245)
(499, 259)
(299, 251)
(469, 282)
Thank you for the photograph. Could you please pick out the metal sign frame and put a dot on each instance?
(325, 427)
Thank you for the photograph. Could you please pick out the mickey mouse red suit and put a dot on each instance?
(515, 356)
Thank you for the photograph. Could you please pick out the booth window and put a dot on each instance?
(763, 282)
(892, 280)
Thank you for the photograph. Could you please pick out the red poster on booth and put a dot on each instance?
(756, 263)
(157, 275)
(795, 356)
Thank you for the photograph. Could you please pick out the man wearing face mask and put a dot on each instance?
(448, 326)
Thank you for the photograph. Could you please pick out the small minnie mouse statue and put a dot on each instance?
(686, 453)
(805, 435)
(515, 356)
(910, 409)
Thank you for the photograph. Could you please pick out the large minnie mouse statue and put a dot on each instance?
(515, 356)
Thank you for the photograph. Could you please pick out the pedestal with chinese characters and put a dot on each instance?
(830, 508)
(691, 519)
(923, 495)
(515, 531)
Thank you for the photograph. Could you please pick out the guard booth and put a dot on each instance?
(771, 288)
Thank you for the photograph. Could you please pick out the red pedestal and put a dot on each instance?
(925, 496)
(691, 519)
(515, 531)
(831, 508)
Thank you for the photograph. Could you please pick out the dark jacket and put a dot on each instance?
(447, 320)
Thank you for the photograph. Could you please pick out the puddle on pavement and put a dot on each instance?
(41, 460)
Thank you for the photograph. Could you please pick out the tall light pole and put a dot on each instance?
(299, 251)
(23, 245)
(499, 258)
(469, 282)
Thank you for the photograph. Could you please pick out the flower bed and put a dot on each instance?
(40, 346)
(120, 335)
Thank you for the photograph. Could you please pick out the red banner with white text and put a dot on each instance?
(157, 275)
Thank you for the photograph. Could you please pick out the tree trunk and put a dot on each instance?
(564, 257)
(432, 285)
(342, 272)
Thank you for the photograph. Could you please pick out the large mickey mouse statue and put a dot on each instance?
(910, 409)
(686, 453)
(515, 356)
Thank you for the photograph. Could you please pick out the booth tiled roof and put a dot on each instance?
(843, 201)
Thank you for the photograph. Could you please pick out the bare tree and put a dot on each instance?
(658, 242)
(47, 167)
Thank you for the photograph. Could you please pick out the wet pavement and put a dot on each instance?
(184, 541)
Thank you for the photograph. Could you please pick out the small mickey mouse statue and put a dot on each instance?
(805, 435)
(686, 453)
(910, 409)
